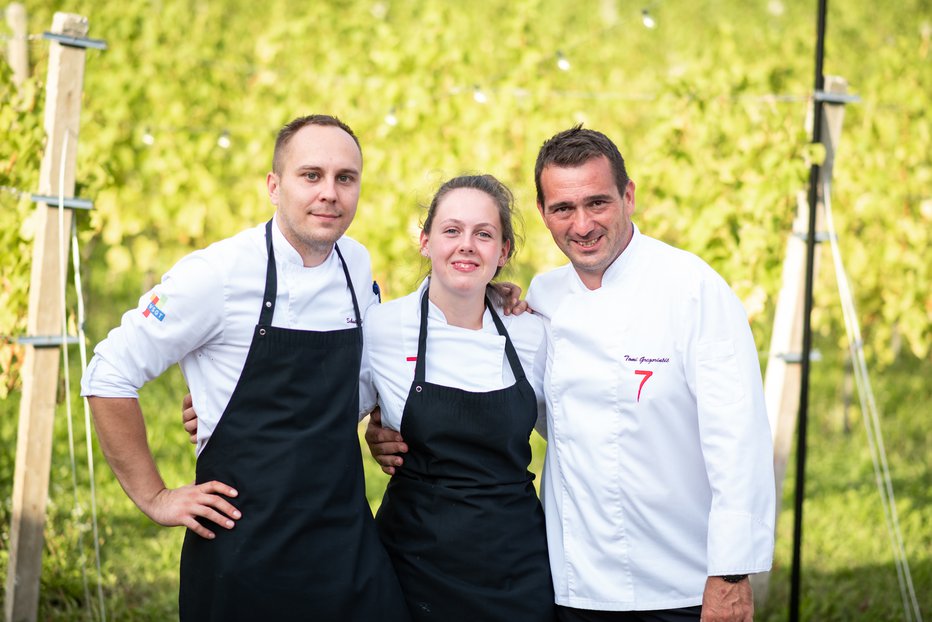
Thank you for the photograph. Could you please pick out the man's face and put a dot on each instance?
(587, 216)
(317, 190)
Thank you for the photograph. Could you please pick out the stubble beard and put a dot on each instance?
(320, 242)
(595, 265)
(315, 241)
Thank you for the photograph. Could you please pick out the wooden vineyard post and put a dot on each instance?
(41, 361)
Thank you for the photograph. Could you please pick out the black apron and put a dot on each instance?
(461, 519)
(306, 547)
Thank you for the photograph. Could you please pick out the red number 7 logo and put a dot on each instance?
(646, 374)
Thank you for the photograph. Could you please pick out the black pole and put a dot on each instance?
(814, 173)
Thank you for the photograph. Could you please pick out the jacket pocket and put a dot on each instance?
(718, 379)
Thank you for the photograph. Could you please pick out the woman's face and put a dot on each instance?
(465, 244)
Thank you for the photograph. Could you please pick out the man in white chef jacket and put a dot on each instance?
(194, 318)
(658, 487)
(267, 328)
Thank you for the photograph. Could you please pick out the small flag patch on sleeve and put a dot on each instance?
(156, 307)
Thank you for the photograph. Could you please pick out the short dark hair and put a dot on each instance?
(287, 133)
(574, 147)
(500, 194)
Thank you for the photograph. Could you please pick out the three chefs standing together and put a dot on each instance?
(658, 487)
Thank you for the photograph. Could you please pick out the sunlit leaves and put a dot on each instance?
(708, 108)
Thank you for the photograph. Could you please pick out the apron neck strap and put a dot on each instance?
(349, 283)
(510, 351)
(271, 282)
(421, 361)
(420, 364)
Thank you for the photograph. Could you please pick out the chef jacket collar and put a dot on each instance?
(618, 267)
(434, 312)
(284, 251)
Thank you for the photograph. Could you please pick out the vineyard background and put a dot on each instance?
(708, 108)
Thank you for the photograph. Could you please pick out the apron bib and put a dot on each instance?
(461, 519)
(306, 547)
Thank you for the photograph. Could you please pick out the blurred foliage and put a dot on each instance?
(20, 156)
(708, 108)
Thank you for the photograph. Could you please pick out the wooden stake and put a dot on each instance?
(782, 379)
(40, 365)
(18, 45)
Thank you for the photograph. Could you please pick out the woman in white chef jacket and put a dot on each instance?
(461, 520)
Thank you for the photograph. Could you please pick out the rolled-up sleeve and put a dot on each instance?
(179, 315)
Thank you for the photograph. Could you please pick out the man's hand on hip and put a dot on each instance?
(182, 506)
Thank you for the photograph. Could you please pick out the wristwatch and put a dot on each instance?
(733, 578)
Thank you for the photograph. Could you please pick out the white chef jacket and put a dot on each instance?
(205, 310)
(472, 360)
(659, 461)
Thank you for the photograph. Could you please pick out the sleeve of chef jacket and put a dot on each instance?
(734, 432)
(182, 313)
(368, 396)
(537, 380)
(369, 294)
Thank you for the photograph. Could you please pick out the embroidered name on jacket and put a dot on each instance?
(153, 309)
(646, 359)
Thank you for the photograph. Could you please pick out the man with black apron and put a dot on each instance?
(312, 551)
(279, 470)
(461, 520)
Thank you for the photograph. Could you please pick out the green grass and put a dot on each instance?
(848, 571)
